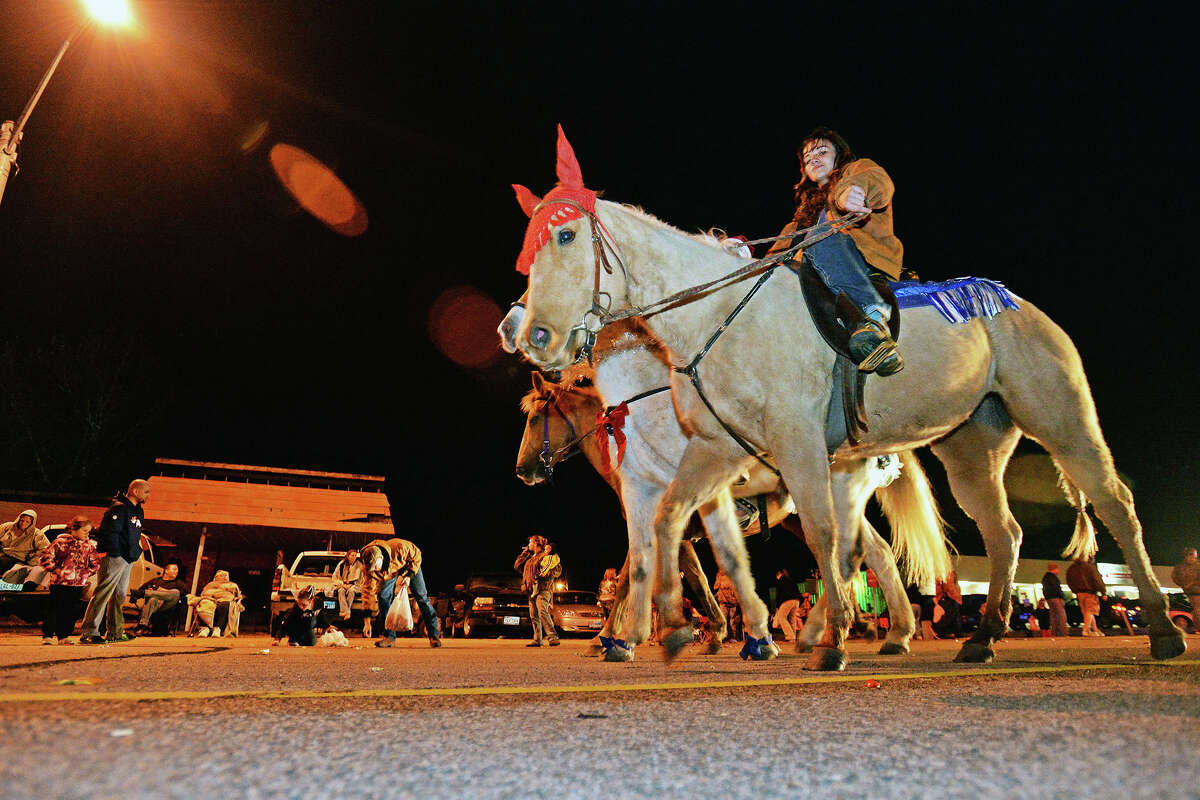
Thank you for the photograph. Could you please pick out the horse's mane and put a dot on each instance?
(710, 237)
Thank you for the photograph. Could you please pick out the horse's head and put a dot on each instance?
(554, 418)
(568, 255)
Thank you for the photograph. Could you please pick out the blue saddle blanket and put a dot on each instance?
(958, 300)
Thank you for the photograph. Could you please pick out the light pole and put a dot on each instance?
(109, 12)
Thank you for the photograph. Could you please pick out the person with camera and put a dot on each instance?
(539, 568)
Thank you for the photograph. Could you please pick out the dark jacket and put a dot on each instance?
(1051, 587)
(120, 532)
(1082, 576)
(534, 578)
(786, 589)
(299, 625)
(161, 585)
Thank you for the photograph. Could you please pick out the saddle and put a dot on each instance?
(835, 317)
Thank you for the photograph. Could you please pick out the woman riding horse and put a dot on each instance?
(834, 183)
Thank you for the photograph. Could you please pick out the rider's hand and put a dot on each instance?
(856, 200)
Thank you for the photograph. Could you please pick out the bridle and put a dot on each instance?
(552, 458)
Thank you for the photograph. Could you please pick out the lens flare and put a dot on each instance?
(117, 13)
(462, 324)
(318, 190)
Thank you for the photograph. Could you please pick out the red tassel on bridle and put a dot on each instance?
(610, 423)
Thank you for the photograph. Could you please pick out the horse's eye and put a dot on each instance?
(566, 236)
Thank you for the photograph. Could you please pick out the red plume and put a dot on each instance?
(567, 167)
(526, 198)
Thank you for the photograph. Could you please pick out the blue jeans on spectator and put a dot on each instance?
(843, 269)
(416, 588)
(112, 585)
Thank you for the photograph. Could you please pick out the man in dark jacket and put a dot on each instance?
(119, 542)
(1186, 575)
(1084, 580)
(1052, 591)
(539, 570)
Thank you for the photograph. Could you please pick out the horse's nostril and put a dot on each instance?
(539, 338)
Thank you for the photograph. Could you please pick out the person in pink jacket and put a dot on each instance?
(70, 561)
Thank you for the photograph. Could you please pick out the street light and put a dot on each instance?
(114, 13)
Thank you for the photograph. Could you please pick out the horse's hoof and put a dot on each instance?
(759, 649)
(802, 646)
(1168, 646)
(675, 642)
(826, 659)
(616, 650)
(593, 649)
(975, 653)
(893, 649)
(713, 647)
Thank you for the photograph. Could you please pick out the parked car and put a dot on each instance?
(1179, 609)
(310, 568)
(497, 606)
(576, 612)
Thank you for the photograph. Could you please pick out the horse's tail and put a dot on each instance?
(918, 530)
(1083, 540)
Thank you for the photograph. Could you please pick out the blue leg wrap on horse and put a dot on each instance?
(607, 644)
(755, 648)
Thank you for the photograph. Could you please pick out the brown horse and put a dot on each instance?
(969, 390)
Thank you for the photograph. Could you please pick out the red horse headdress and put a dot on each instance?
(545, 214)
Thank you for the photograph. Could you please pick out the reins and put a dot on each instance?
(551, 459)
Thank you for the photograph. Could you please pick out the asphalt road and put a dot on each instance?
(493, 719)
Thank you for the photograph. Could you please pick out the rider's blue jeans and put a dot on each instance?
(842, 267)
(416, 588)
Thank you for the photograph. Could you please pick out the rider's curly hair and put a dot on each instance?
(811, 198)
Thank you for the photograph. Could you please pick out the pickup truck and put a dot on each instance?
(310, 568)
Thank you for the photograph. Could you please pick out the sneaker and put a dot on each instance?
(216, 633)
(555, 643)
(66, 641)
(124, 637)
(49, 640)
(91, 638)
(435, 642)
(534, 644)
(386, 642)
(204, 632)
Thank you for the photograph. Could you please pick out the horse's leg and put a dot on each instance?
(640, 501)
(596, 646)
(704, 471)
(693, 573)
(729, 548)
(975, 456)
(881, 561)
(805, 466)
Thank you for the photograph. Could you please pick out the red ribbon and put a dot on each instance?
(611, 424)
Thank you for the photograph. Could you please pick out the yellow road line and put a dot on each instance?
(309, 694)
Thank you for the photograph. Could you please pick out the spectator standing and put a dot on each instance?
(1052, 591)
(119, 542)
(539, 568)
(1186, 575)
(347, 582)
(1084, 580)
(390, 565)
(949, 597)
(70, 561)
(161, 594)
(727, 599)
(606, 595)
(787, 600)
(21, 546)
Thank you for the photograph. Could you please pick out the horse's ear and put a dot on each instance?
(538, 384)
(567, 167)
(526, 198)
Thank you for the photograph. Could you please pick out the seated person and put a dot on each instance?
(158, 596)
(21, 546)
(347, 582)
(219, 605)
(299, 625)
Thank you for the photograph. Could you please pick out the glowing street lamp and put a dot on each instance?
(113, 13)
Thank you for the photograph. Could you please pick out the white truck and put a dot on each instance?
(311, 568)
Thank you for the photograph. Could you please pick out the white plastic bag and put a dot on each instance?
(399, 615)
(333, 638)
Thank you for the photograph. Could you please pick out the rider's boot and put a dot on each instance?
(872, 346)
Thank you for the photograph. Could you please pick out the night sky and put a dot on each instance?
(149, 246)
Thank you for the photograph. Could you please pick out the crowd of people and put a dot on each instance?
(387, 570)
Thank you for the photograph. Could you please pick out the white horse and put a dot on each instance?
(629, 364)
(969, 390)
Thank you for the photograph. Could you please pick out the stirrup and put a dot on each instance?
(883, 359)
